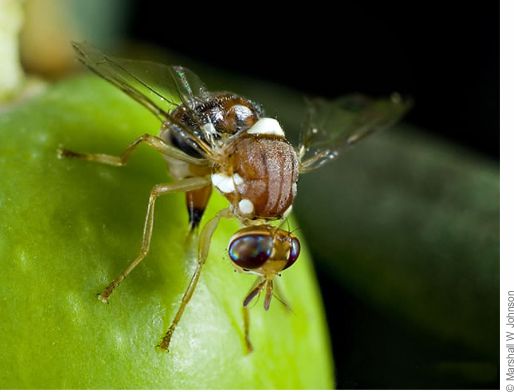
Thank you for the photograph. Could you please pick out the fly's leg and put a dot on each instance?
(279, 295)
(246, 324)
(254, 291)
(113, 160)
(158, 190)
(203, 250)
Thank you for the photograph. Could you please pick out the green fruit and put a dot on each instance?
(68, 227)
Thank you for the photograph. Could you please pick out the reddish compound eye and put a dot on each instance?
(251, 251)
(294, 252)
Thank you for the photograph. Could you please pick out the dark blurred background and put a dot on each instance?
(446, 56)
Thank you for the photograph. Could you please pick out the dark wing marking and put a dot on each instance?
(333, 126)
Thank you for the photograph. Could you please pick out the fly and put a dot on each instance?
(224, 141)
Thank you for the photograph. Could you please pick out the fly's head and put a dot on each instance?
(263, 250)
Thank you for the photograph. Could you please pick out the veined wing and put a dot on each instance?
(190, 88)
(193, 94)
(334, 126)
(158, 87)
(150, 84)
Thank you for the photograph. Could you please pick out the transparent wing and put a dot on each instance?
(158, 87)
(333, 126)
(193, 93)
(151, 84)
(191, 89)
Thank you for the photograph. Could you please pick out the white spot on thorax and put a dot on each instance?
(209, 128)
(238, 180)
(288, 211)
(242, 112)
(245, 207)
(226, 184)
(266, 126)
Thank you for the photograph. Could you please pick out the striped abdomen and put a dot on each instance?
(263, 170)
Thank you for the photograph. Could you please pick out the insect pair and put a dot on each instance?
(223, 140)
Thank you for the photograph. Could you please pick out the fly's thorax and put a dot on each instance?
(259, 173)
(210, 120)
(236, 113)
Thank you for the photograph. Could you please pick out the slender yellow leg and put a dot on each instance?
(153, 141)
(254, 291)
(246, 321)
(203, 250)
(158, 190)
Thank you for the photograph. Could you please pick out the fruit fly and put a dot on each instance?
(225, 141)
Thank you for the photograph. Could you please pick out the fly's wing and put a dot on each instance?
(191, 89)
(155, 86)
(334, 126)
(194, 94)
(150, 84)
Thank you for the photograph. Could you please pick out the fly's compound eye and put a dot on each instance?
(294, 252)
(251, 251)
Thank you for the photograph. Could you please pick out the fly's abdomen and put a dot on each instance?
(263, 170)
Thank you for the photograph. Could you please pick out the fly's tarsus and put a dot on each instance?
(157, 191)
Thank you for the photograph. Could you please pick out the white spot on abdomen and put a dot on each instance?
(266, 126)
(245, 207)
(223, 182)
(226, 184)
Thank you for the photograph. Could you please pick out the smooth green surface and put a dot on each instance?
(68, 227)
